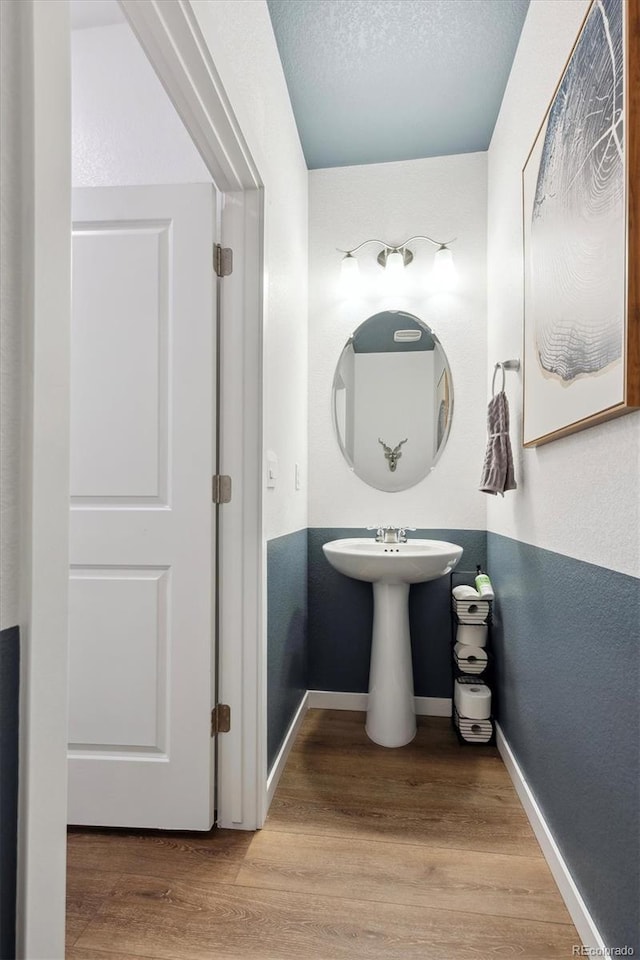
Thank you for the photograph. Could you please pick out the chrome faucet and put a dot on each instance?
(391, 534)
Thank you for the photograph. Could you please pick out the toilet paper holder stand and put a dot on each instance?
(471, 732)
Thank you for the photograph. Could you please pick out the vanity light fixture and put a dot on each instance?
(393, 258)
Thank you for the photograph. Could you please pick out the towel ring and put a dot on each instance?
(498, 366)
(503, 365)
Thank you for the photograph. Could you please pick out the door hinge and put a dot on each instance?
(222, 260)
(220, 719)
(221, 488)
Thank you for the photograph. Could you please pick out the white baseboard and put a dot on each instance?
(334, 700)
(584, 923)
(289, 740)
(433, 706)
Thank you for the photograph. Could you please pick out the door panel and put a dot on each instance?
(120, 448)
(142, 521)
(119, 616)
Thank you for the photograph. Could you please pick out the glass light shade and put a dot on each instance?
(443, 274)
(394, 267)
(349, 275)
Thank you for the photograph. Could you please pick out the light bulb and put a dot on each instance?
(349, 275)
(443, 274)
(394, 266)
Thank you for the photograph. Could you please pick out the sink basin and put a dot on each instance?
(412, 562)
(391, 568)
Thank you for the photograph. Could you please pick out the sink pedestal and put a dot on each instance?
(391, 568)
(391, 718)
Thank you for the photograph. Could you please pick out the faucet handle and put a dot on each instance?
(402, 533)
(386, 533)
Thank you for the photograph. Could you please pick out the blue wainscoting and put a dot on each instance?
(341, 616)
(9, 714)
(567, 642)
(286, 634)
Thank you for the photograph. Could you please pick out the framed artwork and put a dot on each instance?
(581, 213)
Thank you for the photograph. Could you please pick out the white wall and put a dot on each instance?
(443, 197)
(243, 47)
(116, 135)
(580, 495)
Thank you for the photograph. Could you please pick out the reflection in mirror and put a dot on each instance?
(392, 400)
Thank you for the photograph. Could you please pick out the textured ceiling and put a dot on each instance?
(378, 80)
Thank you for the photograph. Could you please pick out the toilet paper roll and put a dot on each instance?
(474, 634)
(474, 731)
(473, 700)
(464, 592)
(470, 659)
(472, 611)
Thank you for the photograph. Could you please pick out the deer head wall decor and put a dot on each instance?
(392, 455)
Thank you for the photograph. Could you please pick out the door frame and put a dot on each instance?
(170, 36)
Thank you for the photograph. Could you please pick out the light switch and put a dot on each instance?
(272, 469)
(298, 480)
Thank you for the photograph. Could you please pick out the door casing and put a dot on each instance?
(169, 35)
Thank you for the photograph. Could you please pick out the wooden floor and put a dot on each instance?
(420, 853)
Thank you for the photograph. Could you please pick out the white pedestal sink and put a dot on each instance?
(391, 568)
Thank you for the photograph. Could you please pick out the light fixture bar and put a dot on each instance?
(437, 243)
(397, 247)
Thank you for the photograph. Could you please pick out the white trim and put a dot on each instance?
(46, 111)
(434, 706)
(578, 911)
(172, 40)
(285, 749)
(336, 700)
(171, 37)
(242, 753)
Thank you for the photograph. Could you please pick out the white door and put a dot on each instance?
(142, 520)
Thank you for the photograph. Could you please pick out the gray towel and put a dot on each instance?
(497, 472)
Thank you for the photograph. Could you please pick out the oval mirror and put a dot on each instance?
(392, 400)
